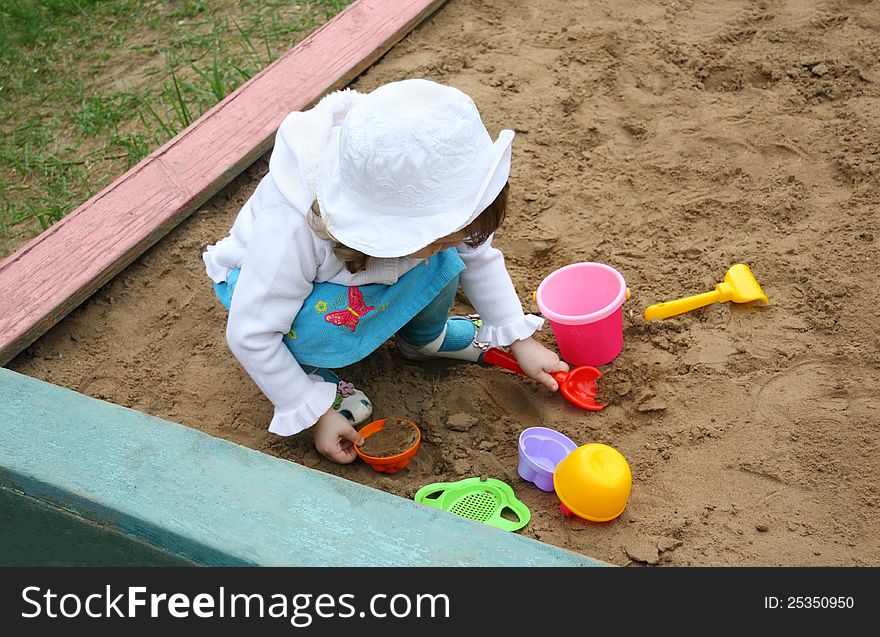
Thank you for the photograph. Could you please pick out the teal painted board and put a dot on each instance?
(217, 503)
(34, 534)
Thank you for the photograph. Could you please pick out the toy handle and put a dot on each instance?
(506, 360)
(426, 492)
(509, 525)
(679, 306)
(503, 359)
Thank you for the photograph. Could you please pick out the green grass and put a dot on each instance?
(88, 88)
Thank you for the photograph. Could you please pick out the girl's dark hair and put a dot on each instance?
(477, 231)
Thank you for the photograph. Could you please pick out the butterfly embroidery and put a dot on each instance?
(356, 309)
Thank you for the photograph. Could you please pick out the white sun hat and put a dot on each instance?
(411, 163)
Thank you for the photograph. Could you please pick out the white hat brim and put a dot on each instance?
(386, 236)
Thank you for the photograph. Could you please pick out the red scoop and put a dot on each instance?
(578, 385)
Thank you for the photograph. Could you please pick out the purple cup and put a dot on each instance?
(540, 450)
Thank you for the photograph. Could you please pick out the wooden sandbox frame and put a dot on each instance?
(97, 474)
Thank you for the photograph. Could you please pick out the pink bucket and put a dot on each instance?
(584, 304)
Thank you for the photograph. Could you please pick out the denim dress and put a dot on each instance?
(338, 325)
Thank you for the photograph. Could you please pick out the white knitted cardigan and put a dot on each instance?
(280, 258)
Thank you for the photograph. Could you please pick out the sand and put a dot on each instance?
(669, 139)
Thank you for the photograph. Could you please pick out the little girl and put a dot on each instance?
(376, 207)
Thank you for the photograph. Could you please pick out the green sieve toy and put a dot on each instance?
(477, 499)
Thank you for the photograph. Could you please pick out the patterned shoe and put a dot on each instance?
(350, 401)
(457, 341)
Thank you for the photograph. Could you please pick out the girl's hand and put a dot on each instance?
(538, 362)
(335, 438)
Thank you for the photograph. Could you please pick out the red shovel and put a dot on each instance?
(578, 385)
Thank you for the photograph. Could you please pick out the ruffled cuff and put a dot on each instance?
(504, 335)
(292, 420)
(222, 257)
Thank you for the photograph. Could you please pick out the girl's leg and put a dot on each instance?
(428, 324)
(432, 333)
